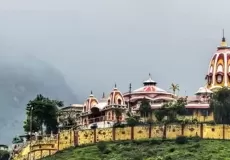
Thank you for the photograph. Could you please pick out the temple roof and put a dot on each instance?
(203, 90)
(150, 88)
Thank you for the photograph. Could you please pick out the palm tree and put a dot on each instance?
(174, 88)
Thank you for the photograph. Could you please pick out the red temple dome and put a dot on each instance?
(116, 97)
(150, 86)
(91, 102)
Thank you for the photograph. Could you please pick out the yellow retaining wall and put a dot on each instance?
(192, 130)
(227, 131)
(123, 133)
(213, 131)
(85, 137)
(66, 139)
(104, 134)
(141, 132)
(157, 131)
(172, 131)
(45, 153)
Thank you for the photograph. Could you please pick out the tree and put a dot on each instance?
(173, 108)
(170, 110)
(118, 114)
(44, 112)
(4, 155)
(35, 125)
(132, 120)
(145, 108)
(174, 88)
(220, 104)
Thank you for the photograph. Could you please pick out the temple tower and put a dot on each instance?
(219, 67)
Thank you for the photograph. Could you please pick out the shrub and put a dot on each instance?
(171, 149)
(118, 125)
(106, 151)
(168, 157)
(101, 146)
(181, 140)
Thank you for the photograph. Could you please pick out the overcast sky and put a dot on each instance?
(97, 43)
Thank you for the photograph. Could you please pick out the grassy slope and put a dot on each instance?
(150, 150)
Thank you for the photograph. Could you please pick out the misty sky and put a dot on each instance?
(97, 43)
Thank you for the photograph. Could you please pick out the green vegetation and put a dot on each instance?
(44, 113)
(220, 104)
(179, 149)
(4, 155)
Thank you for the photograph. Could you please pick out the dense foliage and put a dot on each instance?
(220, 104)
(145, 109)
(183, 149)
(44, 114)
(4, 155)
(171, 109)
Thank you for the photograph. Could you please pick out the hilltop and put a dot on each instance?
(149, 150)
(21, 79)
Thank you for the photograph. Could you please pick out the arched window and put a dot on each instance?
(119, 101)
(109, 102)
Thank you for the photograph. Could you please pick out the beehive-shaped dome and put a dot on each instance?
(90, 102)
(115, 97)
(219, 67)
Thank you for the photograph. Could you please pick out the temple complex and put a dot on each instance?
(102, 113)
(90, 122)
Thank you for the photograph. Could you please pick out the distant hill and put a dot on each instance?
(21, 79)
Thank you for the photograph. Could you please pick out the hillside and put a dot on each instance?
(150, 150)
(21, 79)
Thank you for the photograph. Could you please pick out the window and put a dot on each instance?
(119, 101)
(109, 102)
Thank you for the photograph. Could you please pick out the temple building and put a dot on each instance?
(197, 106)
(102, 113)
(219, 67)
(149, 91)
(69, 116)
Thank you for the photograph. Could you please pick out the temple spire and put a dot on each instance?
(91, 93)
(149, 81)
(223, 38)
(223, 43)
(115, 86)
